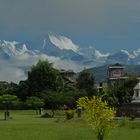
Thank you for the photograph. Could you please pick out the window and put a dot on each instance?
(137, 93)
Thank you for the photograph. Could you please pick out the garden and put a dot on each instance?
(27, 125)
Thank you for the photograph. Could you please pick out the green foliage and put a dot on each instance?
(43, 77)
(109, 96)
(69, 114)
(53, 99)
(120, 93)
(8, 100)
(123, 91)
(123, 121)
(46, 115)
(85, 81)
(99, 114)
(34, 102)
(22, 90)
(71, 94)
(7, 88)
(26, 126)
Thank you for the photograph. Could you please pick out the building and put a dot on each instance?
(68, 75)
(100, 86)
(136, 96)
(115, 73)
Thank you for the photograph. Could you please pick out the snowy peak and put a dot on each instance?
(65, 48)
(13, 48)
(136, 52)
(92, 53)
(125, 57)
(15, 57)
(63, 43)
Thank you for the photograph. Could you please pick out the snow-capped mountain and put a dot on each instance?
(16, 58)
(124, 57)
(64, 48)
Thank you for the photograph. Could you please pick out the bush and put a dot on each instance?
(132, 117)
(46, 115)
(69, 114)
(123, 121)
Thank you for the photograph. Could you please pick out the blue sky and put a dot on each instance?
(108, 25)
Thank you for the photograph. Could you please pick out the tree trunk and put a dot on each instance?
(53, 113)
(100, 136)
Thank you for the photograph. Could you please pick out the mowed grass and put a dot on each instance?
(26, 125)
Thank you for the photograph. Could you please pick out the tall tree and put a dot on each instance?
(53, 99)
(22, 90)
(43, 77)
(85, 81)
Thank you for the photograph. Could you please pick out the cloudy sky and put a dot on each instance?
(108, 25)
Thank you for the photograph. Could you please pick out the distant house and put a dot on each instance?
(115, 74)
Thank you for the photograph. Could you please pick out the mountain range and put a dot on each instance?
(16, 58)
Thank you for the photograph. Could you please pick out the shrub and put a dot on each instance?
(46, 115)
(69, 114)
(123, 121)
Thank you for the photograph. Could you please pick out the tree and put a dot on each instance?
(22, 90)
(8, 100)
(85, 81)
(108, 95)
(53, 100)
(99, 115)
(71, 94)
(43, 77)
(123, 91)
(35, 103)
(7, 88)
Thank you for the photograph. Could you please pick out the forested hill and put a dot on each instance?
(100, 73)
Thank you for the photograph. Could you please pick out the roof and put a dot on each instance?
(66, 71)
(137, 86)
(117, 65)
(118, 78)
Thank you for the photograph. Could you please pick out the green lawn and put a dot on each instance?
(25, 125)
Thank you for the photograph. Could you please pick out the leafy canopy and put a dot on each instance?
(8, 99)
(43, 77)
(98, 114)
(86, 81)
(34, 102)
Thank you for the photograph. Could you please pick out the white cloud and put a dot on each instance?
(63, 43)
(91, 52)
(12, 69)
(99, 54)
(15, 74)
